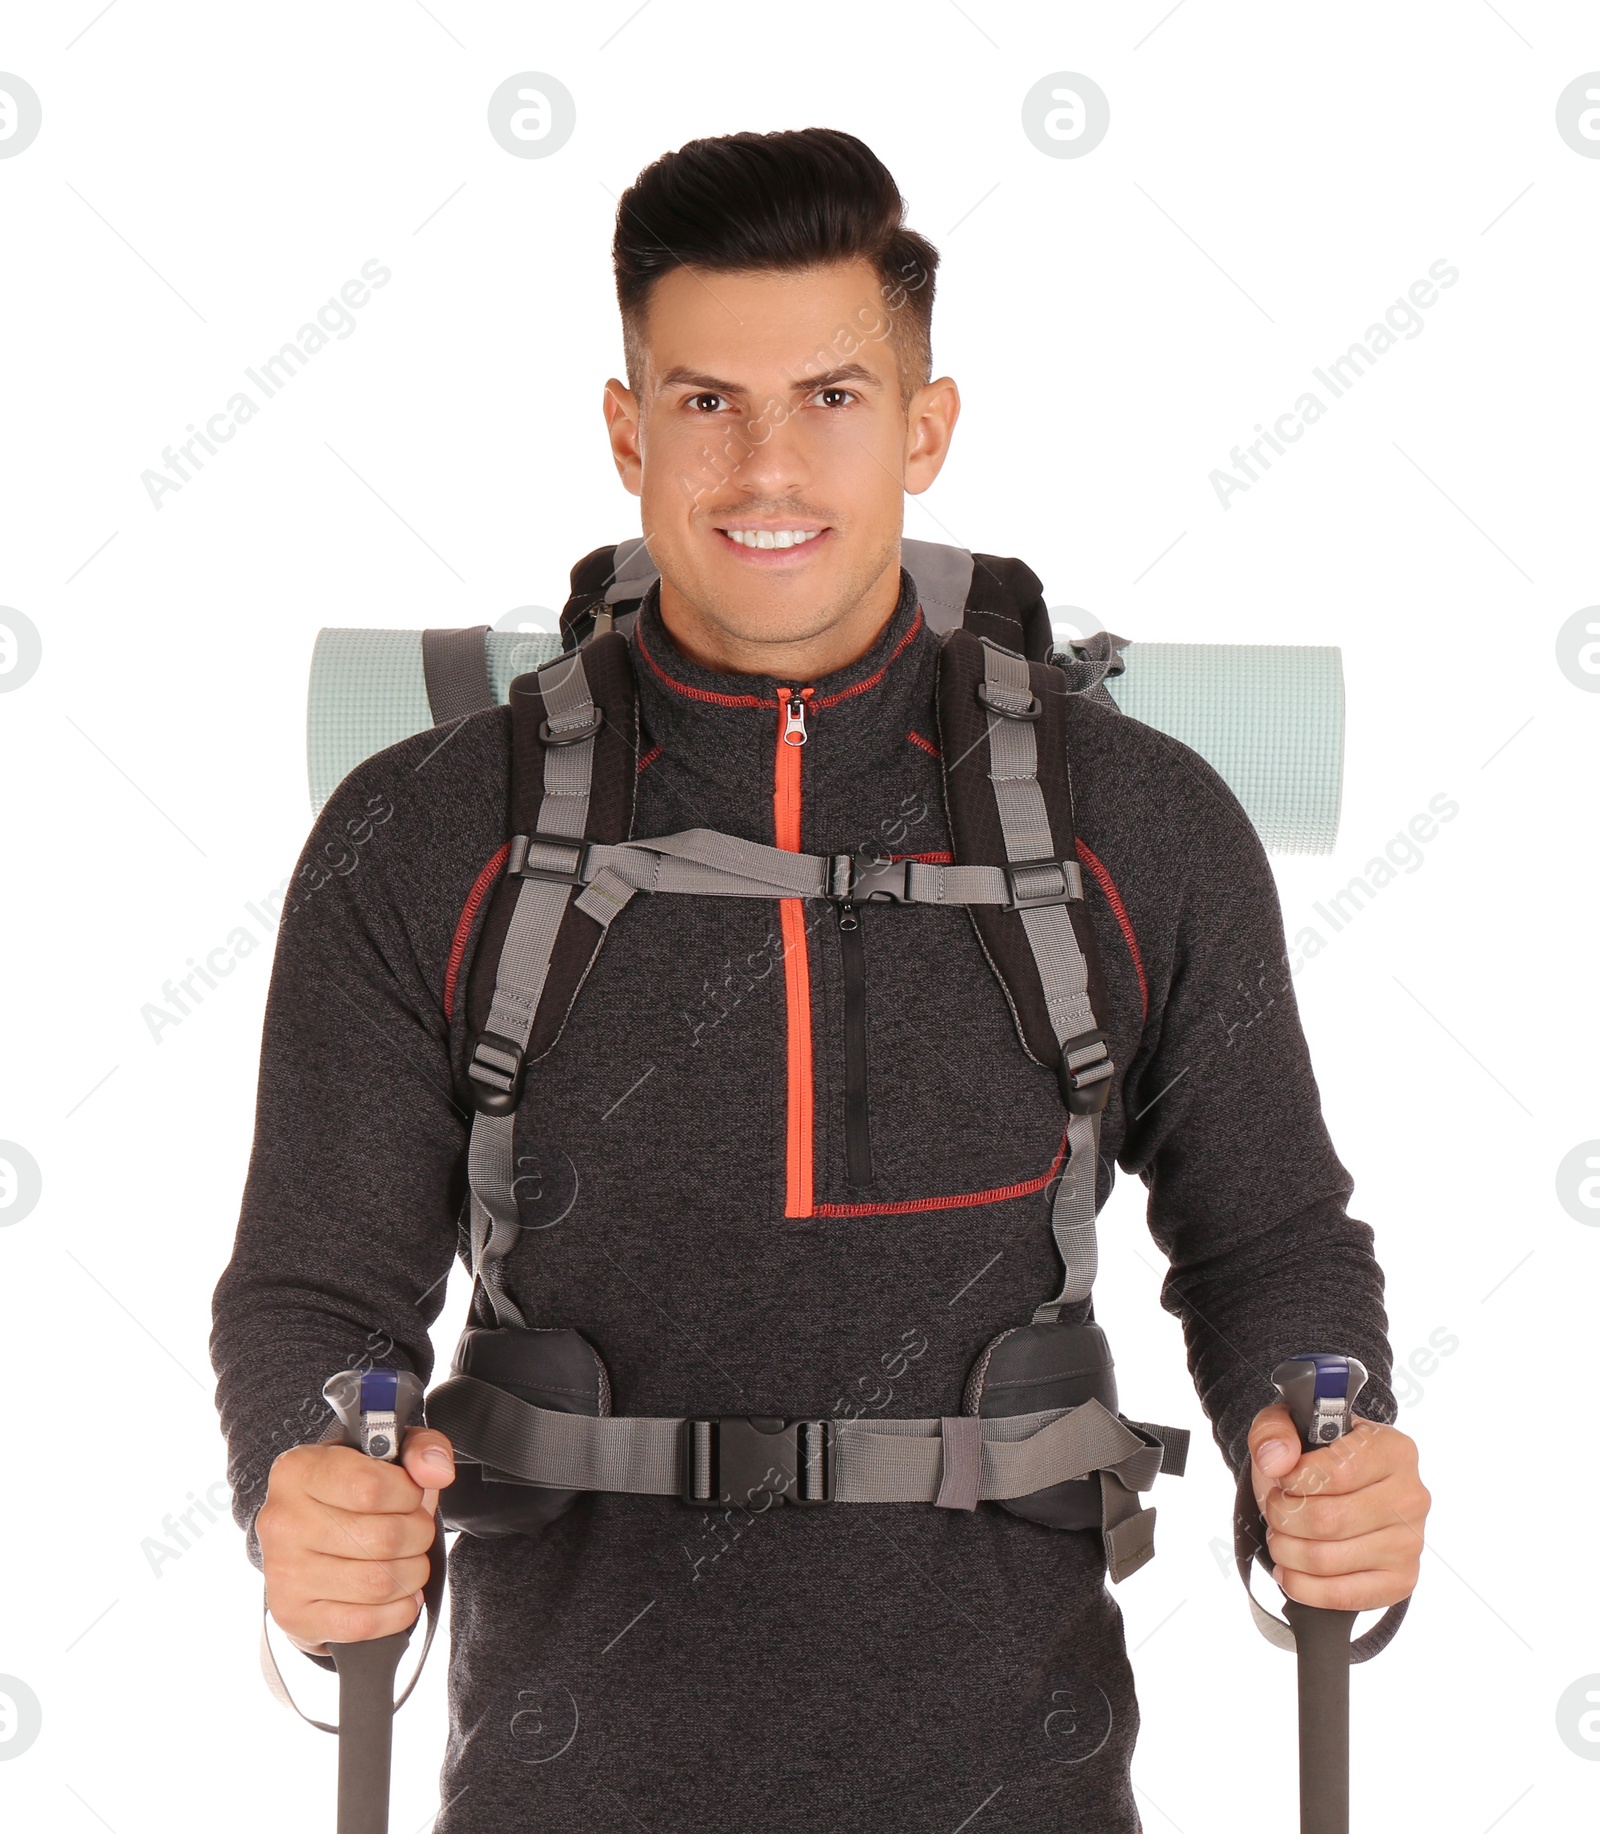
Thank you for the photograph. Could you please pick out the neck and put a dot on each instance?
(807, 658)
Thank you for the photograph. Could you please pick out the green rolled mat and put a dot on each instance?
(368, 691)
(1269, 718)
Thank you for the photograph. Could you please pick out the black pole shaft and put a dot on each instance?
(1322, 1645)
(366, 1728)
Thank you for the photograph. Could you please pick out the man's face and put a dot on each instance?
(772, 402)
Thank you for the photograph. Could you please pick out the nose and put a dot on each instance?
(769, 460)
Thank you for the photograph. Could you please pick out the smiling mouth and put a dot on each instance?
(771, 538)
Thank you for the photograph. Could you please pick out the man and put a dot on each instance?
(714, 1197)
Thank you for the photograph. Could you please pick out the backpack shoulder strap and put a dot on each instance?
(1008, 797)
(1005, 603)
(574, 745)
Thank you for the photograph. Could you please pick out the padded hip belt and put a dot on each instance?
(528, 1412)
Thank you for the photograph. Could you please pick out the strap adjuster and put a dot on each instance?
(495, 1072)
(571, 735)
(732, 1459)
(1031, 708)
(523, 844)
(1087, 1089)
(1071, 887)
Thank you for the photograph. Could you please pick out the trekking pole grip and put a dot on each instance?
(373, 1406)
(1320, 1393)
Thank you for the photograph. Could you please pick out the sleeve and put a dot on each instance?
(356, 1181)
(1246, 1193)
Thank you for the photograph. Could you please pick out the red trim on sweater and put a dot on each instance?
(475, 897)
(872, 680)
(927, 745)
(1120, 911)
(649, 758)
(965, 1200)
(682, 687)
(758, 700)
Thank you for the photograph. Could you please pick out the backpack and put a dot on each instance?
(528, 1408)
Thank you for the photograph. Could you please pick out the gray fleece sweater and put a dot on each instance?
(865, 1667)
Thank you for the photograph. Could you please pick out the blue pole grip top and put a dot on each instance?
(1320, 1392)
(380, 1389)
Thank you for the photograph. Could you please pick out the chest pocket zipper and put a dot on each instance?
(857, 1137)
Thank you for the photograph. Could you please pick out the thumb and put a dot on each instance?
(428, 1457)
(1274, 1442)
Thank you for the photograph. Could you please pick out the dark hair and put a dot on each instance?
(775, 203)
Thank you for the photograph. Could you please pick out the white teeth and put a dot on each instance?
(771, 538)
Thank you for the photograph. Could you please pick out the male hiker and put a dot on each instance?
(743, 1214)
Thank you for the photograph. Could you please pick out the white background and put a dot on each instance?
(1273, 179)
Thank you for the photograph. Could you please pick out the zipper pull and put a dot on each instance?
(794, 716)
(847, 915)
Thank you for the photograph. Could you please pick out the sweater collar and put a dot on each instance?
(678, 694)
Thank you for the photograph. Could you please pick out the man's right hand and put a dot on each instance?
(345, 1538)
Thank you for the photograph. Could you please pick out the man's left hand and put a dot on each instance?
(1344, 1523)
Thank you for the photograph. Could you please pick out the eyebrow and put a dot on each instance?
(844, 372)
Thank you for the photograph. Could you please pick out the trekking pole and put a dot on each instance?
(1320, 1393)
(371, 1404)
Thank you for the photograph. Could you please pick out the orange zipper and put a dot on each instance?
(796, 966)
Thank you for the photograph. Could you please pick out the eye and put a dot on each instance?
(837, 391)
(695, 400)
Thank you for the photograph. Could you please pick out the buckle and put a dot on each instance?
(1087, 1089)
(495, 1073)
(523, 844)
(1031, 711)
(733, 1458)
(876, 881)
(1071, 883)
(571, 735)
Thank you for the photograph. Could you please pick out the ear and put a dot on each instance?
(621, 408)
(930, 426)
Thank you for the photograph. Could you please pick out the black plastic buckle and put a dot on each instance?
(743, 1456)
(853, 881)
(1030, 712)
(572, 735)
(1071, 883)
(1085, 1097)
(495, 1088)
(579, 849)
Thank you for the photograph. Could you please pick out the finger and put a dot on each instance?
(1397, 1499)
(429, 1458)
(349, 1479)
(314, 1625)
(1368, 1591)
(327, 1579)
(322, 1528)
(1274, 1443)
(1387, 1550)
(1365, 1455)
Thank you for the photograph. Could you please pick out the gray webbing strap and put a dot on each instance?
(520, 977)
(879, 1461)
(707, 863)
(455, 668)
(1025, 826)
